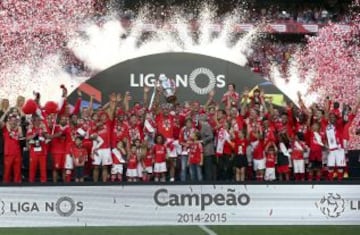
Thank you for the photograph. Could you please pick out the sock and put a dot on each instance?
(287, 176)
(340, 175)
(310, 177)
(145, 178)
(302, 176)
(331, 175)
(68, 178)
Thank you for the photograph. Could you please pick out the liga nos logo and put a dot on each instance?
(198, 76)
(333, 205)
(63, 206)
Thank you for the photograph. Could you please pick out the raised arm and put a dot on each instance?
(302, 105)
(356, 108)
(210, 99)
(146, 96)
(126, 101)
(244, 101)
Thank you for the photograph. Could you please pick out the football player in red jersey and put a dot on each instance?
(60, 139)
(12, 133)
(102, 153)
(36, 136)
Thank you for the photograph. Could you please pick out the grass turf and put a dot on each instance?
(188, 230)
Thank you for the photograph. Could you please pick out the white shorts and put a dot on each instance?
(270, 174)
(160, 167)
(132, 173)
(172, 153)
(117, 169)
(259, 164)
(69, 163)
(336, 158)
(149, 169)
(103, 157)
(299, 166)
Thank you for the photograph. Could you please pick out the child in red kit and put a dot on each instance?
(283, 158)
(240, 161)
(159, 155)
(195, 158)
(297, 156)
(132, 162)
(270, 163)
(80, 156)
(118, 160)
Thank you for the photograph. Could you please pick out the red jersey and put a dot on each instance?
(117, 156)
(315, 139)
(230, 97)
(148, 160)
(120, 132)
(185, 134)
(240, 146)
(196, 150)
(59, 144)
(132, 162)
(165, 126)
(237, 123)
(38, 147)
(228, 149)
(159, 152)
(258, 152)
(136, 132)
(298, 149)
(286, 128)
(11, 141)
(79, 154)
(346, 132)
(253, 127)
(269, 135)
(277, 123)
(183, 115)
(104, 133)
(270, 160)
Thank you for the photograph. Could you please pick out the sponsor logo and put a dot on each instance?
(63, 206)
(333, 205)
(199, 75)
(163, 198)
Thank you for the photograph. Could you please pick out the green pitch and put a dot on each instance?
(188, 230)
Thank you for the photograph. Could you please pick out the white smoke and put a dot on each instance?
(101, 47)
(291, 83)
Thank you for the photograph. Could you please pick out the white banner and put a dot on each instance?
(132, 205)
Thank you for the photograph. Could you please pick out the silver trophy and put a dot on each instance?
(168, 87)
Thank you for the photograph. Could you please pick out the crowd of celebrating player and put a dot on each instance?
(248, 139)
